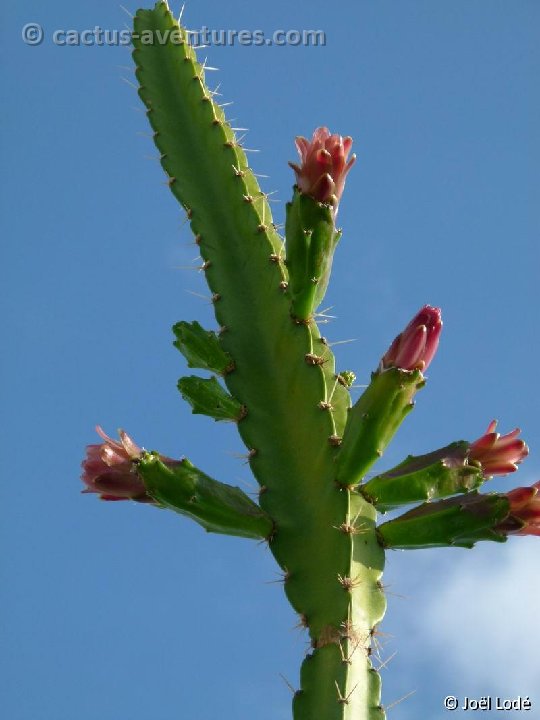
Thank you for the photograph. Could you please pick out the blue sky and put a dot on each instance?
(117, 611)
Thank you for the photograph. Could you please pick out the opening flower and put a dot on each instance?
(524, 515)
(498, 454)
(108, 469)
(415, 347)
(324, 165)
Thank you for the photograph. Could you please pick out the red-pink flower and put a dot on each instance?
(414, 348)
(324, 165)
(524, 515)
(498, 454)
(108, 469)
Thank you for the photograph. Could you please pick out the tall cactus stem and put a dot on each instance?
(284, 376)
(338, 681)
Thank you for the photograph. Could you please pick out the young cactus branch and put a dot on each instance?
(373, 421)
(310, 228)
(382, 408)
(201, 348)
(218, 507)
(455, 522)
(124, 471)
(311, 241)
(463, 521)
(438, 474)
(207, 397)
(456, 468)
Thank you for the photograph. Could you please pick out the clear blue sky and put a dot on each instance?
(117, 611)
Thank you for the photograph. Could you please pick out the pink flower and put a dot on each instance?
(498, 454)
(324, 165)
(109, 471)
(524, 515)
(414, 348)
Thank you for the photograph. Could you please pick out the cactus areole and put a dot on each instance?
(274, 376)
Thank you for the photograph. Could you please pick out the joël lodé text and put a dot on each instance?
(496, 703)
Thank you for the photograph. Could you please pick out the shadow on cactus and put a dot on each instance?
(275, 377)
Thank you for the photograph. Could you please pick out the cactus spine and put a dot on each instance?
(274, 376)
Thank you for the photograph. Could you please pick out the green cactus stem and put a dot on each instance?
(311, 241)
(218, 507)
(207, 397)
(373, 421)
(201, 348)
(324, 536)
(454, 522)
(438, 474)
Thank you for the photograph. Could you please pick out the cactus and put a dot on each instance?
(273, 374)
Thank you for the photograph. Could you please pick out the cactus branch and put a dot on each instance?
(207, 397)
(454, 522)
(436, 475)
(201, 348)
(218, 507)
(373, 421)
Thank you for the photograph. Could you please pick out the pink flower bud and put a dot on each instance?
(324, 165)
(498, 454)
(414, 348)
(109, 471)
(524, 515)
